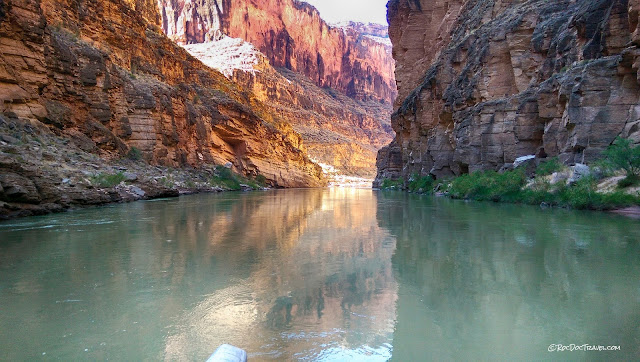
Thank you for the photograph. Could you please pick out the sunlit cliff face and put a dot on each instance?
(112, 85)
(334, 85)
(292, 35)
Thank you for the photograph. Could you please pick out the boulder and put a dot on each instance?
(559, 177)
(16, 188)
(137, 191)
(578, 172)
(130, 176)
(527, 163)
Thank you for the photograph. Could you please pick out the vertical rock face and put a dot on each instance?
(292, 35)
(482, 83)
(333, 84)
(102, 74)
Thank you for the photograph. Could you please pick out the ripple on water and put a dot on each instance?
(335, 352)
(22, 227)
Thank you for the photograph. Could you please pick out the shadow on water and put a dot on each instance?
(480, 281)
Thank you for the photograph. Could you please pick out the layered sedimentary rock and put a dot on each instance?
(337, 130)
(292, 35)
(102, 74)
(482, 83)
(333, 84)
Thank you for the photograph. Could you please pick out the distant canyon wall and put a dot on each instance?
(483, 82)
(103, 75)
(292, 35)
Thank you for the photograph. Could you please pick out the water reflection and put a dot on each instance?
(334, 274)
(321, 278)
(482, 281)
(285, 274)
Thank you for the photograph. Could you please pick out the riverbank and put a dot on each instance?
(579, 187)
(41, 173)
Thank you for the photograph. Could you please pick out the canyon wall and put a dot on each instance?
(333, 84)
(292, 35)
(103, 75)
(338, 131)
(482, 83)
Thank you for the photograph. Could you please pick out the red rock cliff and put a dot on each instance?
(102, 74)
(293, 35)
(482, 83)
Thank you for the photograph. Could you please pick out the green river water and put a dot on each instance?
(322, 274)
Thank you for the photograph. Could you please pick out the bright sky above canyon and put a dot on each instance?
(366, 11)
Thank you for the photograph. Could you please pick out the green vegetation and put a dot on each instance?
(261, 180)
(489, 186)
(134, 154)
(423, 184)
(549, 167)
(584, 195)
(168, 181)
(622, 155)
(225, 178)
(513, 187)
(629, 181)
(388, 184)
(107, 179)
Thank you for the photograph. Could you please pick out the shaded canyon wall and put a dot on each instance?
(482, 83)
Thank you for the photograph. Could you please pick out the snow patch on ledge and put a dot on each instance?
(226, 55)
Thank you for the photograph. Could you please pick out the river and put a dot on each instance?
(321, 274)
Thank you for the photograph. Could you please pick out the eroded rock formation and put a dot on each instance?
(482, 83)
(333, 84)
(292, 35)
(337, 130)
(102, 74)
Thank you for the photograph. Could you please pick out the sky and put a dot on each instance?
(366, 11)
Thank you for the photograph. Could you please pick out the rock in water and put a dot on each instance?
(228, 353)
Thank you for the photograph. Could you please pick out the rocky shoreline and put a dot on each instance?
(547, 184)
(42, 173)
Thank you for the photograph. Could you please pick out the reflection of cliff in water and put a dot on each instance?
(305, 268)
(476, 281)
